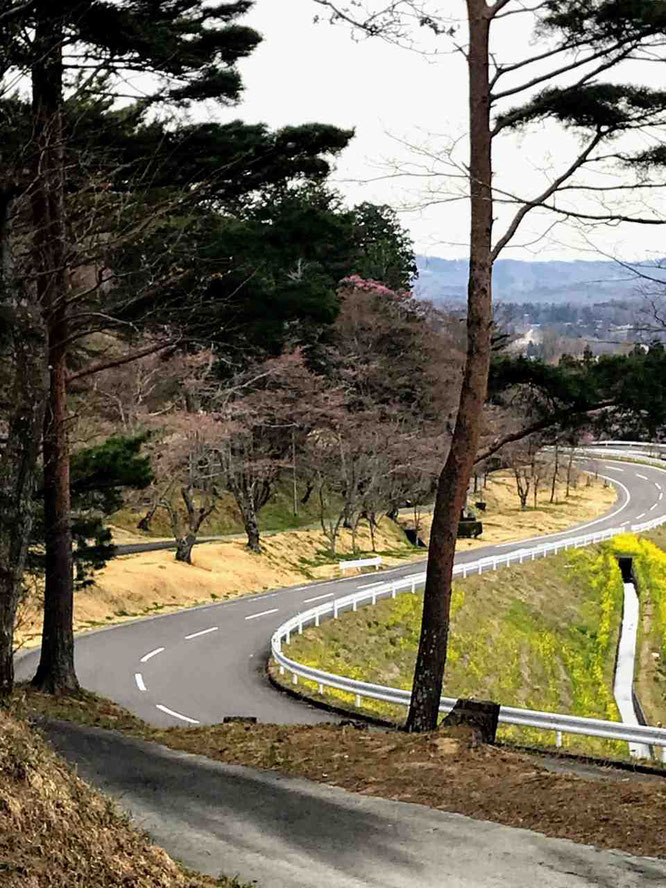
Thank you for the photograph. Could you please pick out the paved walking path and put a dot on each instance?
(290, 833)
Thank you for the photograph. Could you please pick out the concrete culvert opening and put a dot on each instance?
(626, 566)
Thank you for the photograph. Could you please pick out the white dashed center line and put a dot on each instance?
(318, 597)
(640, 516)
(644, 477)
(185, 718)
(138, 678)
(262, 614)
(203, 632)
(614, 469)
(154, 653)
(654, 507)
(658, 486)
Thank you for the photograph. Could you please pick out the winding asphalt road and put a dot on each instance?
(204, 663)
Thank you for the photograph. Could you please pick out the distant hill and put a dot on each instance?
(445, 280)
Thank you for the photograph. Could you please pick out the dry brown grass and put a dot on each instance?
(56, 831)
(443, 770)
(505, 521)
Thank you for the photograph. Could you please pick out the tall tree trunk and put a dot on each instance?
(18, 458)
(454, 479)
(55, 673)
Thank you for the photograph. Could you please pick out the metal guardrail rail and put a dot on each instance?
(360, 562)
(509, 715)
(644, 445)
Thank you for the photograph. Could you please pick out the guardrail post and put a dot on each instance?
(558, 738)
(335, 609)
(321, 689)
(359, 701)
(287, 637)
(281, 669)
(374, 598)
(317, 618)
(354, 605)
(494, 563)
(464, 572)
(300, 627)
(294, 679)
(413, 588)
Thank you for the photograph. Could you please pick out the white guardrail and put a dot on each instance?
(360, 562)
(509, 715)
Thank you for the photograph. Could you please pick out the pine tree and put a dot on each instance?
(184, 51)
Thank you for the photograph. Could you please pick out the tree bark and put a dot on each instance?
(184, 546)
(251, 525)
(55, 673)
(144, 523)
(454, 479)
(19, 457)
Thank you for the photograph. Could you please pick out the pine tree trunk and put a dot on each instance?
(19, 456)
(454, 479)
(55, 673)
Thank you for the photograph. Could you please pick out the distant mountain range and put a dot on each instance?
(445, 281)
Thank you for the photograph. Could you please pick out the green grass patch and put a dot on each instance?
(541, 635)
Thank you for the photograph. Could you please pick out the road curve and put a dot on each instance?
(207, 662)
(204, 663)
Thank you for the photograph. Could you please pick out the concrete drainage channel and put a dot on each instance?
(623, 686)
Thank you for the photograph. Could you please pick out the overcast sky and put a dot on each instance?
(395, 99)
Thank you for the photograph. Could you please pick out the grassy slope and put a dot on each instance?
(56, 831)
(542, 635)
